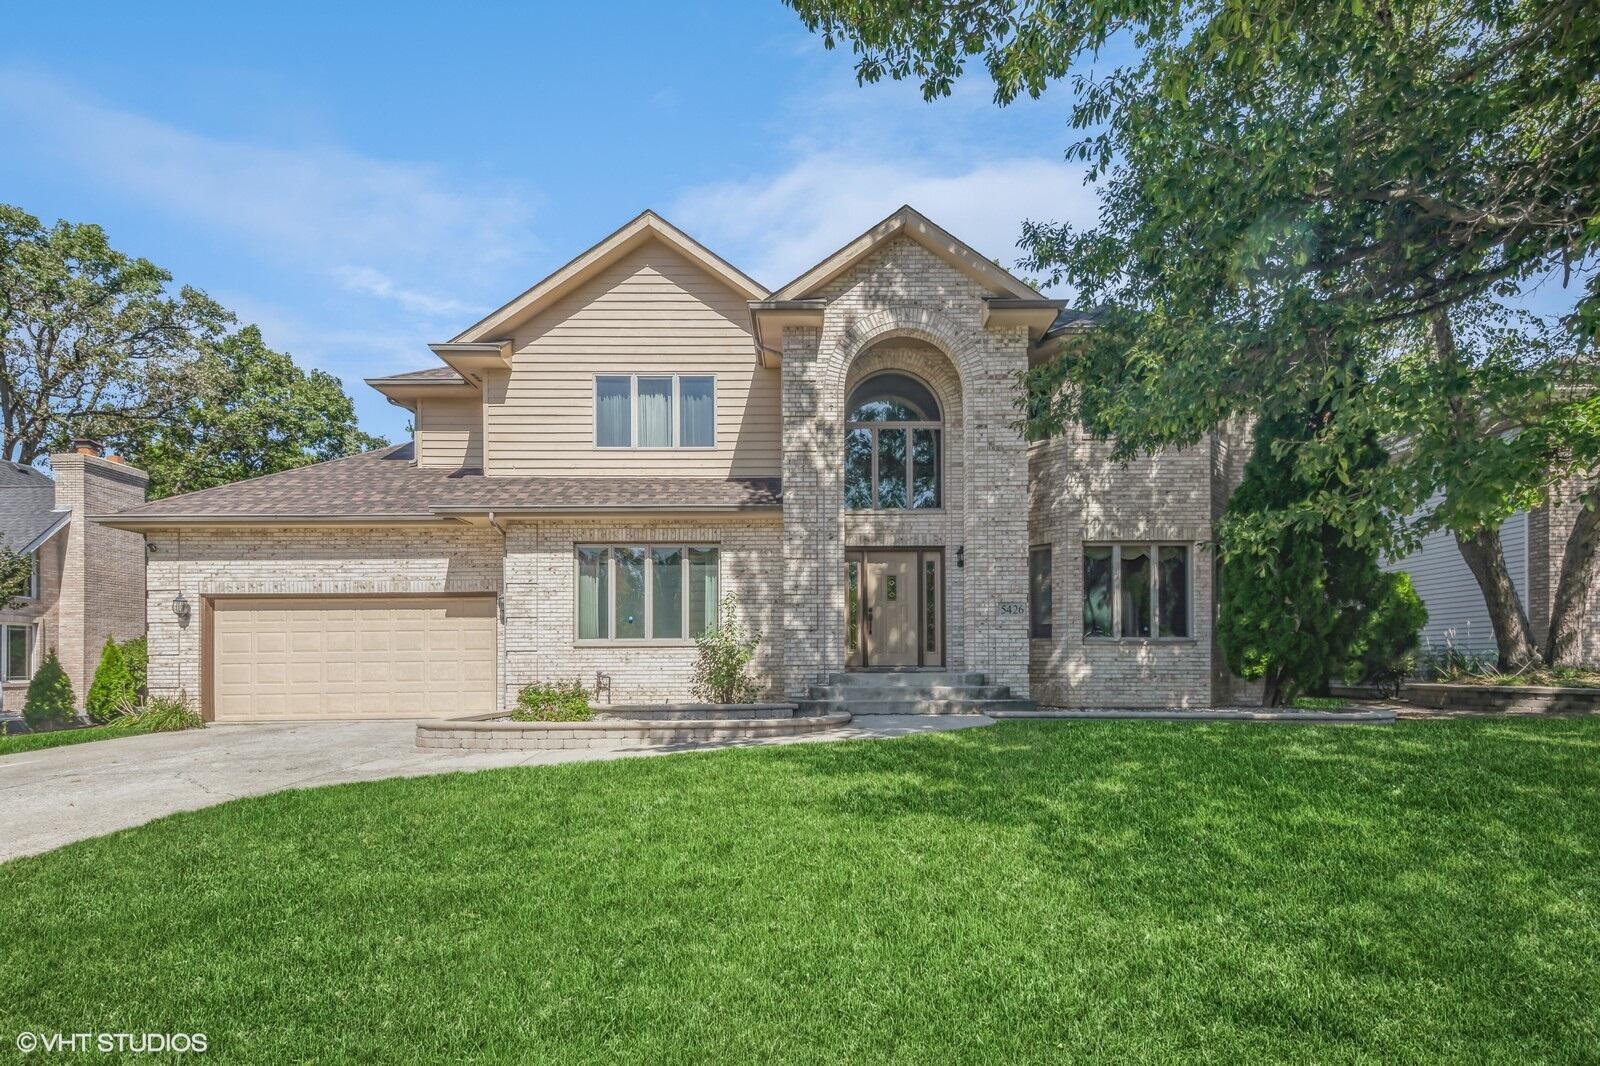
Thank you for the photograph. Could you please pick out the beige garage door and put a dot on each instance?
(352, 657)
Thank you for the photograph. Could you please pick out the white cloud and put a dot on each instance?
(376, 283)
(778, 225)
(397, 231)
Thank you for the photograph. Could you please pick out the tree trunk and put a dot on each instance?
(1561, 646)
(1513, 636)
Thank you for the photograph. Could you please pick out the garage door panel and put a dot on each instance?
(351, 657)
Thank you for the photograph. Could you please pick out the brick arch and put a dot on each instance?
(899, 321)
(921, 360)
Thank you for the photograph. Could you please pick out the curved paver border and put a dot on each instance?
(506, 735)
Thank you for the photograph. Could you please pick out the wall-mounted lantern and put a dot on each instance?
(180, 607)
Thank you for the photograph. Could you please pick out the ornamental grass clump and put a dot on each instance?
(162, 714)
(553, 701)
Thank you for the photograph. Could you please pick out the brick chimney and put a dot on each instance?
(102, 570)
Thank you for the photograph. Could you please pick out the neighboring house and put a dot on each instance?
(1534, 543)
(88, 579)
(599, 460)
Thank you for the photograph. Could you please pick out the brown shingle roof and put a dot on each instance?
(430, 375)
(383, 485)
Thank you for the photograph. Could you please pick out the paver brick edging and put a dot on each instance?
(1505, 699)
(504, 734)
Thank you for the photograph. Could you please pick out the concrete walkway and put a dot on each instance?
(59, 795)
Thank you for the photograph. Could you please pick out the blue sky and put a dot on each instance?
(360, 183)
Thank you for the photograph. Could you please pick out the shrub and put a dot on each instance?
(721, 673)
(112, 687)
(50, 704)
(136, 653)
(162, 714)
(553, 701)
(1385, 654)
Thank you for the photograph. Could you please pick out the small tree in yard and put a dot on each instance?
(1386, 652)
(1299, 598)
(50, 703)
(113, 687)
(721, 672)
(16, 570)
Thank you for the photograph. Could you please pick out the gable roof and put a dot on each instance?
(909, 222)
(28, 514)
(644, 227)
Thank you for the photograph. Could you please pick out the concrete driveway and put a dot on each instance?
(58, 795)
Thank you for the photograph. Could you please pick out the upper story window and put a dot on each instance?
(892, 444)
(655, 411)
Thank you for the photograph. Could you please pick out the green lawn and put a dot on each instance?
(1032, 891)
(55, 739)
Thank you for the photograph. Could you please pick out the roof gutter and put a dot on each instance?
(768, 317)
(139, 523)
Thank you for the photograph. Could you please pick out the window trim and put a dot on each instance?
(648, 548)
(1037, 629)
(32, 638)
(1154, 547)
(32, 593)
(674, 417)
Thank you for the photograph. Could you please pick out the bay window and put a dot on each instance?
(658, 592)
(1136, 591)
(655, 411)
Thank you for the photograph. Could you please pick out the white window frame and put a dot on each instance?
(1154, 546)
(33, 578)
(675, 418)
(33, 649)
(611, 639)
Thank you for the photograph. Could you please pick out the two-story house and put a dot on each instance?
(599, 461)
(87, 581)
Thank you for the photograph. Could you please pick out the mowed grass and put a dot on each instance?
(11, 745)
(1028, 892)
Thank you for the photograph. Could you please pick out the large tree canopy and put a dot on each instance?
(1281, 181)
(96, 344)
(259, 414)
(91, 340)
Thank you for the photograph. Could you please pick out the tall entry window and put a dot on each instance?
(894, 437)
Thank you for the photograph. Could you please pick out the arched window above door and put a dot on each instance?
(893, 440)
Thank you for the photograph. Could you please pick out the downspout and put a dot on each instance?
(500, 613)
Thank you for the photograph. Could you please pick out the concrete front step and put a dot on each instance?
(911, 705)
(937, 692)
(907, 678)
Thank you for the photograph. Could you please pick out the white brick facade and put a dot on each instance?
(903, 292)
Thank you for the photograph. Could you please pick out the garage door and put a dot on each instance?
(352, 657)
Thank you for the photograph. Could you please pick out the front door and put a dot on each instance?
(895, 608)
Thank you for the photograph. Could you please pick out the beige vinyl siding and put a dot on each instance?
(450, 432)
(652, 311)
